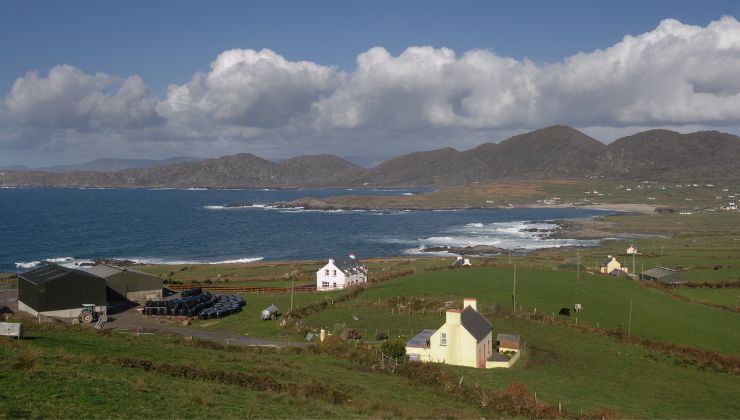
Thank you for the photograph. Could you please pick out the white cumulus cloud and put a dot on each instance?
(676, 75)
(68, 98)
(251, 89)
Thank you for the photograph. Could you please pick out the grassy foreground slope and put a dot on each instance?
(562, 365)
(71, 373)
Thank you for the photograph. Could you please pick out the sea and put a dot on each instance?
(191, 226)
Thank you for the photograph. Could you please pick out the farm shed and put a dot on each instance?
(508, 342)
(664, 275)
(59, 291)
(125, 284)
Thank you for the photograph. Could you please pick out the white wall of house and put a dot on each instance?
(330, 277)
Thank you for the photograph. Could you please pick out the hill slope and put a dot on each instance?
(556, 152)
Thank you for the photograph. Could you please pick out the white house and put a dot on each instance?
(466, 339)
(340, 274)
(611, 264)
(632, 250)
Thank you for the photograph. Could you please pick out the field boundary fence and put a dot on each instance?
(238, 289)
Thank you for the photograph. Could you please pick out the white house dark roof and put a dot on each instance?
(476, 324)
(350, 266)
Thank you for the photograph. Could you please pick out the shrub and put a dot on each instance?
(394, 348)
(381, 336)
(27, 360)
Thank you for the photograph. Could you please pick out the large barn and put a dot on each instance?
(127, 285)
(59, 291)
(664, 275)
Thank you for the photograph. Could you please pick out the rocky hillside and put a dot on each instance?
(554, 152)
(666, 154)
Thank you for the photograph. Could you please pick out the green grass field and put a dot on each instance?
(606, 302)
(249, 323)
(563, 365)
(728, 297)
(67, 373)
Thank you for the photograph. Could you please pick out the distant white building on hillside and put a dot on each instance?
(340, 274)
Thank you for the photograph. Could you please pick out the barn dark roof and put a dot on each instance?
(51, 272)
(476, 324)
(659, 272)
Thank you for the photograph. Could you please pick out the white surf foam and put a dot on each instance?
(34, 264)
(506, 235)
(161, 261)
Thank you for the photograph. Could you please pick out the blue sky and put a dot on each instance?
(169, 42)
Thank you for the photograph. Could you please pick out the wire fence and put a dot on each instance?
(237, 289)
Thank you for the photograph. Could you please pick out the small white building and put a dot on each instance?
(461, 262)
(632, 250)
(611, 264)
(340, 274)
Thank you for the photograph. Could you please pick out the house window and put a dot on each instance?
(324, 284)
(443, 339)
(334, 285)
(326, 272)
(334, 273)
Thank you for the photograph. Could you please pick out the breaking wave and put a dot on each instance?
(516, 235)
(34, 264)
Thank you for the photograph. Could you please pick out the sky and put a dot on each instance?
(139, 79)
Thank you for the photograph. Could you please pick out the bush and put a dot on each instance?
(381, 336)
(394, 348)
(352, 334)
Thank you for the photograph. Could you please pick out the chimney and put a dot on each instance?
(331, 260)
(453, 316)
(473, 303)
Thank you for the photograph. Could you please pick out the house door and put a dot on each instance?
(481, 359)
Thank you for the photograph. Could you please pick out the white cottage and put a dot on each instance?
(340, 274)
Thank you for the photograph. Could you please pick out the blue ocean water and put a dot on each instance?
(189, 226)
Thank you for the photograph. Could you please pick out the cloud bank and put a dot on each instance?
(674, 75)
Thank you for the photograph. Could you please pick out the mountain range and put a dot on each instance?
(556, 152)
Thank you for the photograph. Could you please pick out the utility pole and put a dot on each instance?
(629, 324)
(513, 296)
(578, 265)
(633, 260)
(292, 282)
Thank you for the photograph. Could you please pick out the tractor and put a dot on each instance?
(88, 314)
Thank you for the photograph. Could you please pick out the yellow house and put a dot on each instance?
(610, 264)
(466, 339)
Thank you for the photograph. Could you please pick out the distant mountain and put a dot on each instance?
(552, 152)
(319, 170)
(13, 168)
(114, 165)
(666, 154)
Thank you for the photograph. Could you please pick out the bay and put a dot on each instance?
(190, 226)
